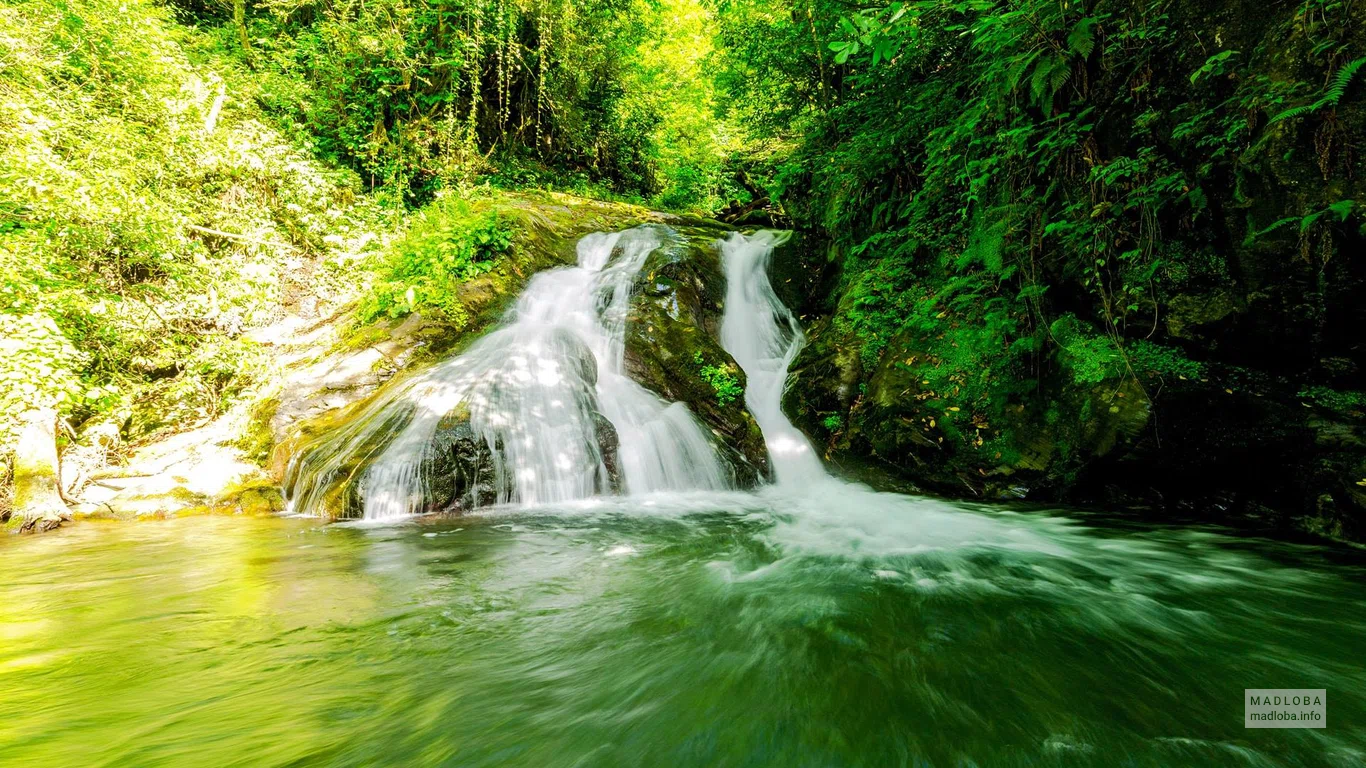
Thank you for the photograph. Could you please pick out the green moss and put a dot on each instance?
(1089, 357)
(256, 499)
(258, 439)
(1345, 402)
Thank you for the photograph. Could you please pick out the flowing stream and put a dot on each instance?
(810, 623)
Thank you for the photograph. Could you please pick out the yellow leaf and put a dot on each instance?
(953, 408)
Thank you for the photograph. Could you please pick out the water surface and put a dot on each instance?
(835, 627)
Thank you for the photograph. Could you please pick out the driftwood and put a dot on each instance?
(37, 485)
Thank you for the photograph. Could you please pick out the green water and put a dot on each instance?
(839, 628)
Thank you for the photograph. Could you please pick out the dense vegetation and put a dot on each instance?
(1066, 225)
(1053, 228)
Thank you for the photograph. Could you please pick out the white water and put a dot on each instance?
(817, 513)
(759, 331)
(532, 389)
(533, 400)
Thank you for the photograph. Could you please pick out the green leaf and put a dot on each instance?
(1082, 39)
(1342, 209)
(1213, 66)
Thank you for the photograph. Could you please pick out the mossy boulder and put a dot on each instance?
(942, 434)
(673, 347)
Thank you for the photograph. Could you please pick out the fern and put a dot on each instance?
(1082, 40)
(1330, 97)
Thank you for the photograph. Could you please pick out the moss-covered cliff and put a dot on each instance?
(1112, 254)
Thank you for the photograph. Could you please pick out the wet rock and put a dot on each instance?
(822, 384)
(672, 335)
(459, 467)
(1201, 317)
(575, 356)
(202, 470)
(609, 445)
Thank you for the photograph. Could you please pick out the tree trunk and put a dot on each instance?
(239, 18)
(37, 488)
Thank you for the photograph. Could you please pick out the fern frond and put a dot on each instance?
(1060, 77)
(1331, 96)
(1082, 39)
(1343, 79)
(1294, 112)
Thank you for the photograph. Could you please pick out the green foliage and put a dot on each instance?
(448, 243)
(150, 216)
(1340, 210)
(1345, 402)
(420, 96)
(1016, 188)
(722, 379)
(1331, 95)
(1149, 359)
(38, 368)
(1090, 358)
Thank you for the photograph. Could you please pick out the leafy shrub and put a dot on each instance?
(38, 369)
(151, 217)
(447, 243)
(1148, 358)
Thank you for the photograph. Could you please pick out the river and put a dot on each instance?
(812, 622)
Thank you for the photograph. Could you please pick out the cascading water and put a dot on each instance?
(759, 331)
(921, 631)
(534, 392)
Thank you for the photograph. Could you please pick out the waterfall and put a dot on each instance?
(760, 332)
(534, 392)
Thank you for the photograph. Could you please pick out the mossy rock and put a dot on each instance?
(672, 334)
(946, 439)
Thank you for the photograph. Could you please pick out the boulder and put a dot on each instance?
(672, 335)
